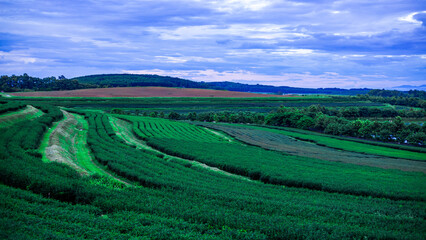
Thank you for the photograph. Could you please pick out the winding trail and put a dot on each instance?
(123, 129)
(65, 142)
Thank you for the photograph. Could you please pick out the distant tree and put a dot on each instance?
(174, 115)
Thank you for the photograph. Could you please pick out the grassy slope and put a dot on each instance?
(278, 168)
(71, 132)
(124, 130)
(11, 118)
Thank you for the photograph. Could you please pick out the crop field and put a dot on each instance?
(71, 168)
(196, 104)
(11, 118)
(273, 167)
(347, 145)
(144, 92)
(279, 141)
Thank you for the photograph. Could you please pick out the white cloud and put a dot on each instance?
(19, 57)
(184, 59)
(293, 52)
(251, 31)
(410, 18)
(230, 6)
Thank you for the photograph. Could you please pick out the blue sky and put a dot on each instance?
(300, 43)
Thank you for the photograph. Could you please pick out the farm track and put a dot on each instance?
(66, 143)
(27, 113)
(282, 143)
(123, 129)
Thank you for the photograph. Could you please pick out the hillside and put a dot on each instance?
(138, 80)
(133, 80)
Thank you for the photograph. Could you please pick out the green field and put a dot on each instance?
(10, 118)
(279, 141)
(348, 145)
(81, 172)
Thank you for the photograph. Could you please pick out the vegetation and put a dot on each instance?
(195, 143)
(172, 198)
(24, 82)
(11, 118)
(302, 143)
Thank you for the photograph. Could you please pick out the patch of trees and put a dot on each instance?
(412, 98)
(387, 131)
(138, 80)
(24, 82)
(395, 93)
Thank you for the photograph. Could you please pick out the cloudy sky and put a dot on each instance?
(302, 43)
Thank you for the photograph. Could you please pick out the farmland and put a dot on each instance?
(292, 143)
(118, 168)
(143, 92)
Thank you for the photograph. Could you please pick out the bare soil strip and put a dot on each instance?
(123, 129)
(279, 142)
(67, 144)
(144, 92)
(29, 112)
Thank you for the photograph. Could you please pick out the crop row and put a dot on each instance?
(155, 127)
(212, 207)
(11, 106)
(283, 169)
(381, 149)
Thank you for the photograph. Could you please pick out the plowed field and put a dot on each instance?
(143, 92)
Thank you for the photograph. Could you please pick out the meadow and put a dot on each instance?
(74, 170)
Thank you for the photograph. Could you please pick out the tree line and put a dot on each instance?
(24, 82)
(352, 121)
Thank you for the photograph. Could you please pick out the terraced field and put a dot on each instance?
(199, 144)
(279, 141)
(123, 129)
(11, 118)
(189, 182)
(66, 142)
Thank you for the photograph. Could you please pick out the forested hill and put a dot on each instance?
(24, 82)
(132, 80)
(138, 80)
(231, 86)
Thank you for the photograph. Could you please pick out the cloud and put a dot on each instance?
(306, 80)
(260, 41)
(410, 18)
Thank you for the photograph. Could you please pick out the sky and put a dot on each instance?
(298, 43)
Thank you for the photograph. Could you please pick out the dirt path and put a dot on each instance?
(279, 142)
(9, 119)
(123, 129)
(66, 143)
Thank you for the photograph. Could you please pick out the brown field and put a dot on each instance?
(143, 92)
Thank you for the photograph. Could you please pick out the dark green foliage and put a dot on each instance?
(24, 82)
(138, 80)
(11, 106)
(181, 201)
(413, 98)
